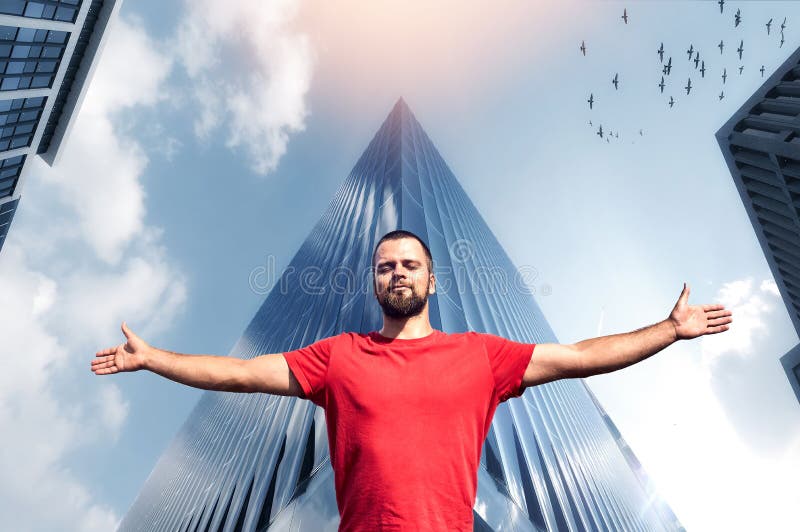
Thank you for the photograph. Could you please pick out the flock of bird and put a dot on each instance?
(693, 56)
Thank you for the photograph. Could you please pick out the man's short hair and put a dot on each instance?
(397, 235)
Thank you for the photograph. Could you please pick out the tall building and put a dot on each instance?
(552, 460)
(47, 52)
(761, 145)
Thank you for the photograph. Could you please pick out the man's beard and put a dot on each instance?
(396, 304)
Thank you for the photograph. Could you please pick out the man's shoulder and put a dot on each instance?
(337, 338)
(472, 337)
(345, 336)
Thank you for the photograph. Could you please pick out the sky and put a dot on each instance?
(213, 136)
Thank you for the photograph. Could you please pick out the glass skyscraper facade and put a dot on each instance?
(47, 52)
(761, 146)
(553, 459)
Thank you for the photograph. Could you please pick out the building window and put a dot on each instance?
(29, 58)
(18, 121)
(9, 174)
(60, 10)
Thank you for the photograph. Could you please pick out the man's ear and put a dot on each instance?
(432, 284)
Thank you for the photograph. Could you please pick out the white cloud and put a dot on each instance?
(96, 162)
(250, 71)
(45, 296)
(27, 348)
(703, 467)
(146, 291)
(98, 519)
(116, 85)
(112, 407)
(709, 426)
(749, 311)
(99, 169)
(60, 304)
(769, 285)
(39, 428)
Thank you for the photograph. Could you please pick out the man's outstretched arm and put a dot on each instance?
(266, 373)
(609, 353)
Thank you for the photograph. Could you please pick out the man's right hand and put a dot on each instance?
(263, 374)
(124, 357)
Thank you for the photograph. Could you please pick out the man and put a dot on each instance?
(408, 407)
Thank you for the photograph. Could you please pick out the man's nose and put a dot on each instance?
(400, 271)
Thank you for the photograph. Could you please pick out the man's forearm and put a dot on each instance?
(208, 372)
(610, 353)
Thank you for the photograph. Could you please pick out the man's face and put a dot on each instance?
(402, 279)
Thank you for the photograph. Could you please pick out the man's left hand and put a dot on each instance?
(691, 321)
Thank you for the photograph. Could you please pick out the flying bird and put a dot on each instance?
(671, 102)
(661, 53)
(724, 75)
(668, 67)
(616, 135)
(721, 3)
(615, 81)
(721, 95)
(600, 131)
(640, 132)
(690, 51)
(737, 18)
(624, 15)
(703, 69)
(688, 86)
(740, 69)
(661, 85)
(590, 100)
(740, 49)
(782, 41)
(696, 59)
(762, 71)
(769, 23)
(583, 48)
(783, 24)
(720, 46)
(590, 123)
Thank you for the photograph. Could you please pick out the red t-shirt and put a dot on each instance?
(407, 420)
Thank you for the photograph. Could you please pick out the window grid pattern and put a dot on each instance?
(243, 462)
(69, 74)
(29, 58)
(7, 211)
(18, 121)
(762, 147)
(58, 10)
(9, 174)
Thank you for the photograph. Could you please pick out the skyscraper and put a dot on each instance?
(552, 460)
(47, 52)
(761, 145)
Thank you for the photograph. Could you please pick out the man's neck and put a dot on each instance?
(406, 329)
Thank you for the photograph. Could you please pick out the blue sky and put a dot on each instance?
(214, 136)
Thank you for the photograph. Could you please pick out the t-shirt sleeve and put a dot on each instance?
(309, 365)
(508, 360)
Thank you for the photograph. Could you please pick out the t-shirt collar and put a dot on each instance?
(381, 339)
